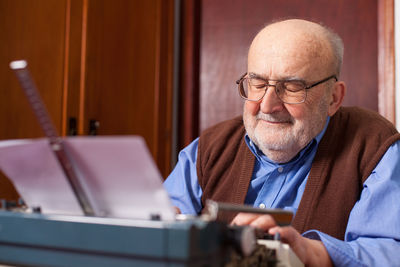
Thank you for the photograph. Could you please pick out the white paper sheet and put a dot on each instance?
(118, 174)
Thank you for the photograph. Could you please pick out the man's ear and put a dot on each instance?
(337, 95)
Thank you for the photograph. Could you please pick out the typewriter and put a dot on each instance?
(100, 202)
(30, 238)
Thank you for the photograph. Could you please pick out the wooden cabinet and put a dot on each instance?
(108, 61)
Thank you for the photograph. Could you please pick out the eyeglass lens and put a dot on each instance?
(288, 91)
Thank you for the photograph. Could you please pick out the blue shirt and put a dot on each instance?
(372, 235)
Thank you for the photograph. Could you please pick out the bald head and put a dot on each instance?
(294, 51)
(301, 40)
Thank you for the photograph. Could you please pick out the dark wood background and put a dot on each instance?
(226, 28)
(112, 61)
(234, 30)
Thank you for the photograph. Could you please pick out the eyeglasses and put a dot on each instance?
(288, 91)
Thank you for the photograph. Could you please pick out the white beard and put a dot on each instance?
(286, 137)
(282, 142)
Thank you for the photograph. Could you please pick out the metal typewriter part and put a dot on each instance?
(213, 208)
(256, 248)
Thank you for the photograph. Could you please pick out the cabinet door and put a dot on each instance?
(128, 72)
(35, 31)
(32, 30)
(104, 60)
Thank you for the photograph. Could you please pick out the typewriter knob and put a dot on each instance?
(243, 239)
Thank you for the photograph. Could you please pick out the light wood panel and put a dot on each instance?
(386, 64)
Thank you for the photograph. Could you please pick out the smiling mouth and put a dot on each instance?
(273, 119)
(275, 123)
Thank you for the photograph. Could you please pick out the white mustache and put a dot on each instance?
(274, 117)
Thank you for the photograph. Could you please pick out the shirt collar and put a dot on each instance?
(264, 159)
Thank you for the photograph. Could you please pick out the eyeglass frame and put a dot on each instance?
(306, 87)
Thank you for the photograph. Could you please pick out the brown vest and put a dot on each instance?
(351, 147)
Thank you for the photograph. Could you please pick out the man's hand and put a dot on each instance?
(177, 210)
(310, 252)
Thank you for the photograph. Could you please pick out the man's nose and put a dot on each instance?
(271, 102)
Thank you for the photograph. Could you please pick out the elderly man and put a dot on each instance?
(296, 148)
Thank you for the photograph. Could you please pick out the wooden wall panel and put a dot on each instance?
(164, 82)
(228, 26)
(189, 72)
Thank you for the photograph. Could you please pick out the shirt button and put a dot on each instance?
(261, 206)
(280, 169)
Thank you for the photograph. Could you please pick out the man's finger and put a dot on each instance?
(244, 218)
(177, 210)
(310, 252)
(263, 222)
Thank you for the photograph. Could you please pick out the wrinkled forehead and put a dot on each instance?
(285, 50)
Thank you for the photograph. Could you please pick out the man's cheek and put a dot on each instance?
(252, 107)
(298, 112)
